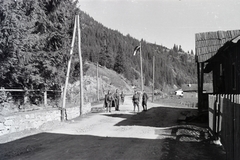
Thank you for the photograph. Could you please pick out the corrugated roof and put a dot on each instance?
(208, 43)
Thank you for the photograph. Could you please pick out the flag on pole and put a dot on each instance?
(136, 49)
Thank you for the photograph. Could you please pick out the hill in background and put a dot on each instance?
(110, 48)
(35, 39)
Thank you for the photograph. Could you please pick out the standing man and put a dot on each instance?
(108, 101)
(144, 100)
(135, 100)
(117, 99)
(122, 97)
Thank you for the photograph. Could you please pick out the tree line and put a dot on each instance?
(115, 51)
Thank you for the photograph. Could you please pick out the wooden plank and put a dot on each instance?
(229, 127)
(211, 112)
(237, 129)
(220, 114)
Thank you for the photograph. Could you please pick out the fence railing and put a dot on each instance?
(224, 122)
(42, 96)
(47, 97)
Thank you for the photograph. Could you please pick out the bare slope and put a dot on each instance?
(108, 80)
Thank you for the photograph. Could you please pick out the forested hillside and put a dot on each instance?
(115, 51)
(35, 38)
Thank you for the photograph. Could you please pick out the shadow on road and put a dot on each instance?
(154, 117)
(185, 141)
(186, 150)
(62, 147)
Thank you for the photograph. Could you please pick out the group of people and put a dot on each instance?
(136, 100)
(113, 99)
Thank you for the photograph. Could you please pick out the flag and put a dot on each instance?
(136, 49)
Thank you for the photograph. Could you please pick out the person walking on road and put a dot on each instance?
(117, 99)
(108, 101)
(144, 101)
(135, 100)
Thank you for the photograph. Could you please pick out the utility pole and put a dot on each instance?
(153, 78)
(141, 67)
(81, 66)
(68, 71)
(97, 84)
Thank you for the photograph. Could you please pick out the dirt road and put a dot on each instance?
(154, 134)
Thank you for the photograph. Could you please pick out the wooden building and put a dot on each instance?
(217, 52)
(225, 67)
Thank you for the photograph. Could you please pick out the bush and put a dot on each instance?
(5, 97)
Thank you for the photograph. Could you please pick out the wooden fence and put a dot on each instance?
(224, 122)
(55, 96)
(44, 94)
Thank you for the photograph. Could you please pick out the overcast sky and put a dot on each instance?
(165, 22)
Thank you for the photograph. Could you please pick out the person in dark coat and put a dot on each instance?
(135, 100)
(108, 101)
(122, 97)
(144, 101)
(117, 99)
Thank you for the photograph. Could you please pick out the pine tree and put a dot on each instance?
(109, 58)
(119, 65)
(192, 52)
(180, 48)
(175, 48)
(34, 41)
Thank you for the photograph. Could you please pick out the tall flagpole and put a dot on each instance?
(141, 66)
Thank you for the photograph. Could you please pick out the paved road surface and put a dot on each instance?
(123, 134)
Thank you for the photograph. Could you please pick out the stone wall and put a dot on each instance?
(35, 119)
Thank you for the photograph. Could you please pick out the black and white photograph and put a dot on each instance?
(119, 79)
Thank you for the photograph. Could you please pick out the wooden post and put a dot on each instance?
(62, 88)
(81, 66)
(68, 71)
(45, 98)
(199, 87)
(202, 81)
(142, 88)
(200, 68)
(153, 78)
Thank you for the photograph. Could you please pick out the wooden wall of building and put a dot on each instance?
(226, 71)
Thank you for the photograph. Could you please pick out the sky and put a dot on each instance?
(165, 22)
